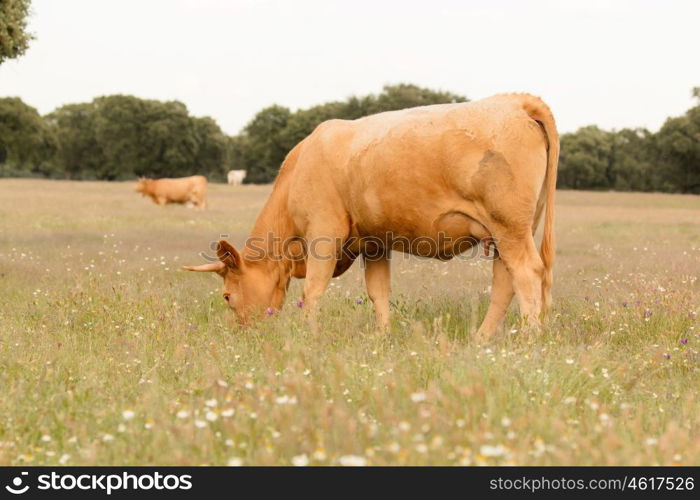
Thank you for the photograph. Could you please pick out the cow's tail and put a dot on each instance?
(540, 112)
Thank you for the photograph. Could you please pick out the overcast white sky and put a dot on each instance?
(613, 63)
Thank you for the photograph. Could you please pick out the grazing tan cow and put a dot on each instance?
(189, 190)
(483, 170)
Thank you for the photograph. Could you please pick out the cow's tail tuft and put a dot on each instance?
(540, 112)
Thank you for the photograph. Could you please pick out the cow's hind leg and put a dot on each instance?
(501, 297)
(511, 181)
(524, 264)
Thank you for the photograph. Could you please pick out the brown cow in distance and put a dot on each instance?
(477, 171)
(180, 190)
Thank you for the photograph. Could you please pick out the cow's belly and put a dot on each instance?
(177, 195)
(437, 234)
(418, 192)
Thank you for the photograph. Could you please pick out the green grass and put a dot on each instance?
(109, 354)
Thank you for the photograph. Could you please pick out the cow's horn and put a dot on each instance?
(215, 267)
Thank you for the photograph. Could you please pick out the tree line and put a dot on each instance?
(111, 138)
(121, 137)
(635, 159)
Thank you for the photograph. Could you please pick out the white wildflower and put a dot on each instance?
(418, 397)
(488, 450)
(352, 461)
(300, 460)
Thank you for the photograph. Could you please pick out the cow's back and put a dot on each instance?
(429, 132)
(385, 169)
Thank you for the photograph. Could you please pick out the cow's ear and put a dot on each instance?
(229, 256)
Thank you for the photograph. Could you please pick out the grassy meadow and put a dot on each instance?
(112, 355)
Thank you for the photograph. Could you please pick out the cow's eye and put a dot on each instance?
(227, 297)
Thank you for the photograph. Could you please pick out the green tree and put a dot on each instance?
(27, 145)
(14, 38)
(79, 155)
(634, 157)
(168, 147)
(121, 137)
(119, 129)
(679, 149)
(156, 139)
(212, 158)
(263, 148)
(586, 159)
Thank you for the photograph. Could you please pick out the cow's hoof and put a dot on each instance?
(484, 336)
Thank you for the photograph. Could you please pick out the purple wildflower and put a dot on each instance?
(300, 303)
(647, 313)
(684, 340)
(359, 301)
(624, 303)
(269, 312)
(667, 356)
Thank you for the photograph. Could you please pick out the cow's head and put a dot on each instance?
(251, 288)
(141, 185)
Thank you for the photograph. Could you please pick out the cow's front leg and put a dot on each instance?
(501, 297)
(378, 281)
(320, 264)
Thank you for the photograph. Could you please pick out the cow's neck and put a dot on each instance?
(272, 228)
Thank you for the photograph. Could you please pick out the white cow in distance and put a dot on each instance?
(236, 177)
